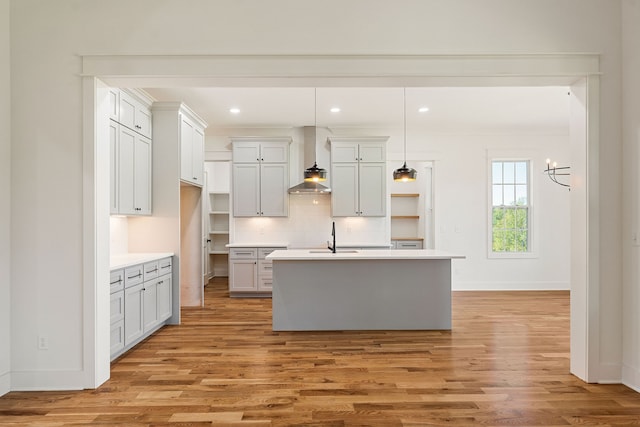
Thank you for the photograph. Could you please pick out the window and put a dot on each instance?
(510, 207)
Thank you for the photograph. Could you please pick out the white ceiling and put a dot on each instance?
(450, 108)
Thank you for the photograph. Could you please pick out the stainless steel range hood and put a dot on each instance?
(309, 158)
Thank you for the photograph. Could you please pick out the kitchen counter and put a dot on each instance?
(368, 254)
(361, 290)
(127, 260)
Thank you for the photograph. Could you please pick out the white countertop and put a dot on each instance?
(315, 255)
(127, 260)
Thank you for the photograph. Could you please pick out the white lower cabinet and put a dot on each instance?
(141, 305)
(250, 274)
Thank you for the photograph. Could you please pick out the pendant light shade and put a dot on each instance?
(314, 173)
(405, 174)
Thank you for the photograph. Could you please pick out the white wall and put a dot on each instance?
(5, 197)
(631, 149)
(46, 159)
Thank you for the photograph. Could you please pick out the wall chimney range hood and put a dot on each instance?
(309, 187)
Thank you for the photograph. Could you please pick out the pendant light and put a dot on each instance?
(405, 174)
(314, 173)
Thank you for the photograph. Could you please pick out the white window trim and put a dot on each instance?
(514, 155)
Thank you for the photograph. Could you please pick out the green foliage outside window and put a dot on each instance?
(510, 210)
(510, 229)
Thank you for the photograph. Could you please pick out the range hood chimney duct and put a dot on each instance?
(309, 147)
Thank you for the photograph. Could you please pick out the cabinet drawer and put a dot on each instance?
(117, 306)
(265, 268)
(265, 283)
(164, 266)
(263, 252)
(408, 244)
(116, 281)
(243, 253)
(151, 270)
(133, 275)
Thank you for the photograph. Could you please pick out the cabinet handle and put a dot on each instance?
(133, 277)
(117, 281)
(153, 271)
(195, 178)
(160, 282)
(166, 266)
(138, 127)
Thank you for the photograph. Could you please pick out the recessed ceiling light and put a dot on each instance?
(234, 110)
(423, 109)
(335, 109)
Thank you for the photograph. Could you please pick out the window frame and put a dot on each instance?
(532, 222)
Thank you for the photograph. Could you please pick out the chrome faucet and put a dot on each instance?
(333, 234)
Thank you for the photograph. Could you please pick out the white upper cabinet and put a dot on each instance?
(133, 173)
(130, 153)
(260, 176)
(177, 125)
(358, 181)
(134, 114)
(191, 150)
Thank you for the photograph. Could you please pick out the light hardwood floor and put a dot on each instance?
(505, 362)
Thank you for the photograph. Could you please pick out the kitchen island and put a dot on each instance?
(361, 289)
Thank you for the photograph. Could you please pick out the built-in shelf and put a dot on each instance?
(405, 221)
(218, 223)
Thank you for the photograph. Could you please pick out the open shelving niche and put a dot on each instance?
(218, 217)
(405, 221)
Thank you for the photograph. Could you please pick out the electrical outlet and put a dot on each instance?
(43, 343)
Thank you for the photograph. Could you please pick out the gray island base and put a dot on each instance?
(361, 290)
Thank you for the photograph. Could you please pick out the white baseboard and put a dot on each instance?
(5, 383)
(610, 373)
(47, 380)
(631, 377)
(509, 286)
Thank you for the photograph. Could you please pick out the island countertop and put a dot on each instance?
(353, 255)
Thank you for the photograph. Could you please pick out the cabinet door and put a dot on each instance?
(274, 152)
(344, 189)
(372, 189)
(126, 150)
(127, 110)
(243, 275)
(164, 298)
(142, 176)
(117, 307)
(372, 152)
(117, 338)
(274, 183)
(191, 153)
(135, 115)
(114, 131)
(133, 313)
(150, 305)
(197, 156)
(142, 119)
(246, 152)
(342, 152)
(246, 189)
(114, 104)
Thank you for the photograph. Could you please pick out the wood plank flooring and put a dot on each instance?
(505, 363)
